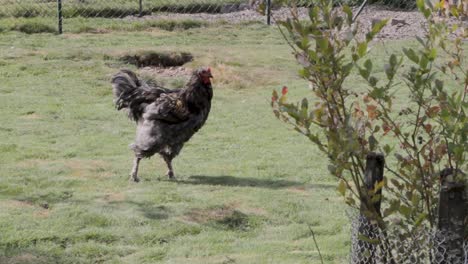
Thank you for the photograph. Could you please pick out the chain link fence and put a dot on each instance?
(55, 12)
(369, 244)
(115, 8)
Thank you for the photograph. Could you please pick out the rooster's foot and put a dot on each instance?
(170, 175)
(134, 178)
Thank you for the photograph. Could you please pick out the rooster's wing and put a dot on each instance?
(168, 108)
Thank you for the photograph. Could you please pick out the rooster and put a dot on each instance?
(165, 118)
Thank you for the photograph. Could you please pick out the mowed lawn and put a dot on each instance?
(249, 189)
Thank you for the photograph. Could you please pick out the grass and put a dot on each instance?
(98, 25)
(248, 187)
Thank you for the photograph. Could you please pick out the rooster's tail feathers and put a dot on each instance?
(124, 85)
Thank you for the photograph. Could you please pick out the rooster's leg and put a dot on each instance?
(170, 172)
(134, 173)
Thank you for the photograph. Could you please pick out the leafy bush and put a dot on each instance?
(431, 132)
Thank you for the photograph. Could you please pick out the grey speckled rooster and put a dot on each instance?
(165, 118)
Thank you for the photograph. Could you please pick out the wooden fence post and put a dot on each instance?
(374, 174)
(140, 8)
(60, 16)
(452, 215)
(268, 12)
(367, 227)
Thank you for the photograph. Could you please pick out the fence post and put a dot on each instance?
(60, 16)
(140, 8)
(374, 173)
(367, 228)
(452, 215)
(268, 10)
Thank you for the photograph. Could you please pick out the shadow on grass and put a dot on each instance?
(150, 211)
(248, 182)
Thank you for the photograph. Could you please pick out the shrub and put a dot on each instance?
(431, 131)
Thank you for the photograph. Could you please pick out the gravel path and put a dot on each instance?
(403, 24)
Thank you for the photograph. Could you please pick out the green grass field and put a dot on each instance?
(249, 188)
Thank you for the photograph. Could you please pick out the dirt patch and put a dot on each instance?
(204, 216)
(114, 197)
(413, 22)
(80, 168)
(16, 204)
(42, 213)
(77, 167)
(157, 59)
(227, 216)
(299, 190)
(23, 258)
(166, 72)
(31, 116)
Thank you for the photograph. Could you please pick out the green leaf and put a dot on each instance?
(454, 11)
(362, 49)
(387, 149)
(322, 43)
(283, 99)
(314, 13)
(342, 187)
(373, 81)
(350, 201)
(389, 71)
(420, 219)
(261, 8)
(376, 28)
(304, 73)
(368, 65)
(411, 55)
(304, 111)
(379, 25)
(347, 68)
(422, 8)
(349, 14)
(405, 211)
(396, 183)
(415, 200)
(369, 240)
(427, 13)
(423, 62)
(432, 54)
(274, 98)
(364, 73)
(421, 41)
(393, 60)
(420, 5)
(439, 85)
(376, 198)
(372, 143)
(379, 185)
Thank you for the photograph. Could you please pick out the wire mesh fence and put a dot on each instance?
(114, 8)
(54, 13)
(369, 244)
